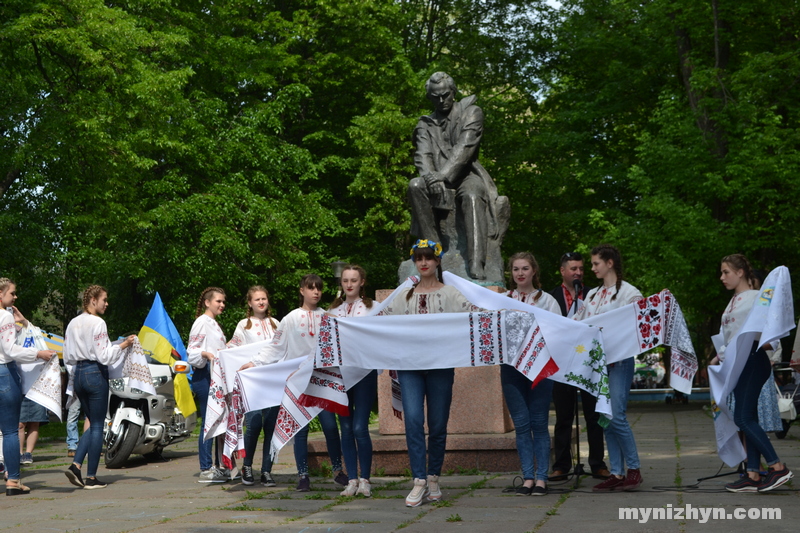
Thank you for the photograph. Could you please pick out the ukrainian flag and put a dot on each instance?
(159, 336)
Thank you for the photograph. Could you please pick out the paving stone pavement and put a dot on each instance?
(676, 447)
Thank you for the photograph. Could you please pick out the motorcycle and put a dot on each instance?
(140, 423)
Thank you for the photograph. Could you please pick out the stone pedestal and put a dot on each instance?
(478, 405)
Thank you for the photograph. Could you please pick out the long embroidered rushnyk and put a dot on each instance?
(653, 321)
(133, 365)
(770, 319)
(41, 381)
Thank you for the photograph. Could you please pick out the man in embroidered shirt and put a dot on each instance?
(564, 396)
(446, 145)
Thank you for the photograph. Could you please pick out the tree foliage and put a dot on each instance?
(169, 146)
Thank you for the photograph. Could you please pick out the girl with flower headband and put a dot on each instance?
(356, 441)
(529, 407)
(258, 326)
(295, 337)
(427, 388)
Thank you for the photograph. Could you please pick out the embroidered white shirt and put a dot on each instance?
(260, 330)
(599, 300)
(86, 339)
(10, 351)
(356, 308)
(448, 299)
(296, 337)
(205, 336)
(545, 301)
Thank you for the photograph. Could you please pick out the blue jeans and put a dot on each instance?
(201, 383)
(434, 388)
(356, 442)
(755, 373)
(72, 425)
(91, 388)
(334, 444)
(619, 435)
(255, 422)
(529, 409)
(10, 404)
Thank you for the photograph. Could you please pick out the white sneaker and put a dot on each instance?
(433, 488)
(420, 491)
(350, 489)
(364, 488)
(230, 473)
(212, 475)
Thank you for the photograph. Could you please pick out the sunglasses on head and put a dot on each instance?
(571, 256)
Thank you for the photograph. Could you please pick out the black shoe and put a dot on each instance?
(94, 483)
(775, 478)
(524, 491)
(539, 491)
(247, 475)
(266, 479)
(342, 479)
(304, 485)
(73, 473)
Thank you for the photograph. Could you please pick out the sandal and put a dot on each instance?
(14, 488)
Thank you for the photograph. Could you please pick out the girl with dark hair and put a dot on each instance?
(356, 442)
(10, 385)
(86, 345)
(295, 337)
(258, 326)
(206, 339)
(737, 275)
(529, 407)
(427, 388)
(613, 294)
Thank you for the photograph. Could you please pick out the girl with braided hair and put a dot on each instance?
(258, 326)
(206, 339)
(614, 293)
(87, 347)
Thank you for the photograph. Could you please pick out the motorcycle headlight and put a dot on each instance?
(137, 391)
(160, 380)
(116, 384)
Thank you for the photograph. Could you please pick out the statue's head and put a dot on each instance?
(441, 90)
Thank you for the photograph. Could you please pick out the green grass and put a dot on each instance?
(453, 518)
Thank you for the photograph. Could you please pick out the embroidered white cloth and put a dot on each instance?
(41, 381)
(644, 324)
(227, 398)
(770, 319)
(133, 365)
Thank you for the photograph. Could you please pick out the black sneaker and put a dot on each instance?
(94, 483)
(342, 479)
(522, 490)
(775, 478)
(266, 479)
(304, 485)
(73, 473)
(743, 484)
(539, 491)
(247, 475)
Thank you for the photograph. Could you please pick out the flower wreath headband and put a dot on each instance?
(425, 243)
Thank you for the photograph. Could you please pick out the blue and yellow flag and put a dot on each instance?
(159, 336)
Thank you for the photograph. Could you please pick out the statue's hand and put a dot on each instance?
(433, 178)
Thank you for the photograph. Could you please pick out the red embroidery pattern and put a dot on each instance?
(650, 321)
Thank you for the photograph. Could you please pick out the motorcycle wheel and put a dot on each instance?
(118, 453)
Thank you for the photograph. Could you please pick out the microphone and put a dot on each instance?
(576, 283)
